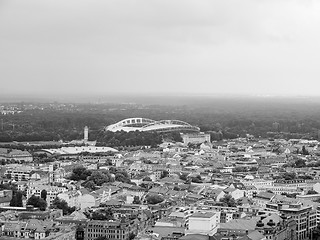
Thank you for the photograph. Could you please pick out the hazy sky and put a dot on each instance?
(165, 46)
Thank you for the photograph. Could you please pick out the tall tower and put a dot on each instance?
(51, 174)
(86, 134)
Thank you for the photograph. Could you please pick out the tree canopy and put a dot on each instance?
(154, 199)
(102, 214)
(16, 200)
(59, 203)
(80, 173)
(228, 201)
(37, 202)
(43, 194)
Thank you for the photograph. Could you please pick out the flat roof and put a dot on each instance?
(203, 215)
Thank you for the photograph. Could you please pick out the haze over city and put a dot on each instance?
(64, 48)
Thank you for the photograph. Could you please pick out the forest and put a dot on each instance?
(223, 118)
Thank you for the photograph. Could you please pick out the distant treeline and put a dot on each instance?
(223, 119)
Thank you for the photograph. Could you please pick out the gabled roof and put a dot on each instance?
(75, 216)
(195, 196)
(251, 188)
(215, 192)
(238, 185)
(11, 226)
(37, 225)
(255, 235)
(240, 224)
(160, 190)
(230, 190)
(171, 180)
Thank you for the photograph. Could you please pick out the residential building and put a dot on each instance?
(113, 230)
(52, 191)
(5, 197)
(202, 223)
(19, 173)
(262, 198)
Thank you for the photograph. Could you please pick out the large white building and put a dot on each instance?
(148, 125)
(196, 138)
(69, 151)
(203, 223)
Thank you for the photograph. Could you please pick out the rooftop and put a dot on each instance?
(203, 215)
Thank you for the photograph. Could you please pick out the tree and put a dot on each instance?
(300, 163)
(90, 185)
(59, 203)
(304, 151)
(154, 199)
(310, 192)
(132, 236)
(289, 176)
(122, 176)
(37, 202)
(148, 179)
(176, 188)
(183, 176)
(144, 185)
(196, 179)
(136, 200)
(164, 174)
(43, 194)
(80, 173)
(103, 214)
(228, 201)
(16, 200)
(315, 234)
(100, 177)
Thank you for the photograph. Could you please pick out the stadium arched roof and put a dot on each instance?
(145, 125)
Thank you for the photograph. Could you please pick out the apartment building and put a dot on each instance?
(52, 191)
(18, 173)
(304, 215)
(113, 230)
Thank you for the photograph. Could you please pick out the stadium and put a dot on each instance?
(146, 125)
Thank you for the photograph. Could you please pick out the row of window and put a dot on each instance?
(94, 236)
(105, 230)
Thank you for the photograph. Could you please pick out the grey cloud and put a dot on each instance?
(98, 46)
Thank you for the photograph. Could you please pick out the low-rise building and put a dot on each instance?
(15, 154)
(202, 223)
(52, 191)
(18, 173)
(195, 138)
(121, 230)
(5, 197)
